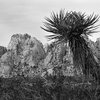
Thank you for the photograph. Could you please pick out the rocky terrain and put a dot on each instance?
(27, 56)
(22, 57)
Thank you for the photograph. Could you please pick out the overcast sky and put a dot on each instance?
(26, 16)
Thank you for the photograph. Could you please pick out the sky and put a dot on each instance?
(27, 16)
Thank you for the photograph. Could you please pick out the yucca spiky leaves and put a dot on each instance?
(73, 27)
(69, 24)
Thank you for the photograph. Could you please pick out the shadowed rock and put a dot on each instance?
(2, 50)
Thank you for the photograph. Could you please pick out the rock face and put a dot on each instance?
(97, 45)
(2, 50)
(57, 54)
(59, 57)
(23, 55)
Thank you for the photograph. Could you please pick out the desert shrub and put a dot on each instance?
(70, 88)
(16, 88)
(23, 88)
(48, 88)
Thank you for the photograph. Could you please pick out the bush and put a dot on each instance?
(49, 88)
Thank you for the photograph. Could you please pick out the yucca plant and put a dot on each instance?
(74, 28)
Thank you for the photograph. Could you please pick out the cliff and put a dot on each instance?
(27, 56)
(23, 56)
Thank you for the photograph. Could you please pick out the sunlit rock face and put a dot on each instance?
(59, 57)
(57, 54)
(23, 55)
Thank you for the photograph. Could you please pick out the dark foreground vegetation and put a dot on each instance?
(48, 88)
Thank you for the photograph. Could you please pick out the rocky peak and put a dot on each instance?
(57, 56)
(17, 41)
(24, 53)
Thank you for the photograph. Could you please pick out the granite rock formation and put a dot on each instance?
(23, 55)
(27, 56)
(59, 57)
